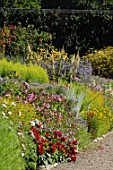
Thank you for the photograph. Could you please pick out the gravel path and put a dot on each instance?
(99, 157)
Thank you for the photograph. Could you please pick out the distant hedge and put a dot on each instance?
(73, 31)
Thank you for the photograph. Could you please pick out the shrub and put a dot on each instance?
(10, 152)
(37, 74)
(27, 73)
(5, 67)
(102, 62)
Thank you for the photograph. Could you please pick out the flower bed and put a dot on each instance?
(53, 120)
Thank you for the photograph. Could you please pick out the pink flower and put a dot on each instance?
(54, 110)
(25, 102)
(26, 85)
(59, 99)
(48, 119)
(51, 114)
(59, 116)
(31, 97)
(77, 79)
(47, 105)
(10, 35)
(48, 96)
(11, 26)
(8, 95)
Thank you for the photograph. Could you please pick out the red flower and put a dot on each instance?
(73, 158)
(63, 139)
(48, 135)
(73, 149)
(75, 142)
(38, 125)
(53, 148)
(69, 143)
(88, 123)
(58, 143)
(40, 149)
(57, 134)
(91, 114)
(43, 140)
(35, 133)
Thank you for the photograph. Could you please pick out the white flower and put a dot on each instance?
(13, 104)
(10, 113)
(32, 134)
(32, 123)
(3, 113)
(4, 105)
(20, 113)
(22, 154)
(23, 146)
(21, 134)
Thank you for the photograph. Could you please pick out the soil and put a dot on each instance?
(97, 157)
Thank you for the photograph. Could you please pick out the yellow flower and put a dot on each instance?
(34, 53)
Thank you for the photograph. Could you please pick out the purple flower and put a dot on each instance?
(98, 88)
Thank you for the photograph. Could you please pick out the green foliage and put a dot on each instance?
(28, 73)
(21, 4)
(10, 152)
(102, 62)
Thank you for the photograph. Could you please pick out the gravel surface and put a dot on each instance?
(99, 157)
